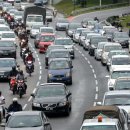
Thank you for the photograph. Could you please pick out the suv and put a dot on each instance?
(52, 98)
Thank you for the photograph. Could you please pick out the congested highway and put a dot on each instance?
(89, 78)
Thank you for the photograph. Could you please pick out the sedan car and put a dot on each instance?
(60, 70)
(46, 30)
(61, 24)
(49, 16)
(6, 65)
(25, 120)
(7, 49)
(4, 28)
(122, 38)
(68, 44)
(52, 98)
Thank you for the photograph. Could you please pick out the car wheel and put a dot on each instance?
(70, 82)
(67, 111)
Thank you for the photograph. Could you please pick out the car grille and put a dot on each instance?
(49, 105)
(59, 76)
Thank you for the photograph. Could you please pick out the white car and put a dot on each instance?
(2, 22)
(18, 15)
(119, 98)
(47, 30)
(116, 73)
(87, 40)
(119, 61)
(107, 48)
(49, 16)
(3, 28)
(115, 52)
(8, 36)
(98, 51)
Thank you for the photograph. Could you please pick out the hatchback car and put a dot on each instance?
(24, 120)
(60, 70)
(7, 49)
(46, 30)
(61, 24)
(52, 98)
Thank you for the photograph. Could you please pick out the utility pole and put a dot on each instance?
(100, 4)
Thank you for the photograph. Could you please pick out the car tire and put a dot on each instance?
(70, 82)
(67, 111)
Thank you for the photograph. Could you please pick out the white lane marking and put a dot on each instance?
(88, 62)
(93, 71)
(40, 67)
(96, 82)
(96, 96)
(30, 99)
(91, 66)
(40, 77)
(80, 52)
(37, 55)
(40, 72)
(94, 104)
(35, 52)
(37, 83)
(24, 106)
(38, 59)
(95, 76)
(86, 58)
(34, 90)
(39, 63)
(96, 88)
(107, 76)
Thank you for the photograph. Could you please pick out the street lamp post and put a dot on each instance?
(100, 4)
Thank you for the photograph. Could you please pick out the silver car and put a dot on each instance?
(28, 120)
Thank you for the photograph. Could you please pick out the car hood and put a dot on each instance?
(58, 72)
(121, 39)
(62, 24)
(49, 99)
(6, 48)
(45, 43)
(68, 46)
(29, 128)
(4, 69)
(126, 108)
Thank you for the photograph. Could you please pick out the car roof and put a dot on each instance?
(46, 27)
(44, 84)
(118, 92)
(59, 38)
(61, 50)
(118, 51)
(8, 32)
(33, 15)
(47, 34)
(27, 113)
(123, 78)
(7, 59)
(120, 56)
(121, 69)
(112, 43)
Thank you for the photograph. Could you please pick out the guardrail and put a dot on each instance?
(98, 7)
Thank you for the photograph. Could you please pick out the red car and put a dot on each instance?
(46, 40)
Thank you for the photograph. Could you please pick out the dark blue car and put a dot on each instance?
(60, 70)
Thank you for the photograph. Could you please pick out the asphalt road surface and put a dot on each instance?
(89, 81)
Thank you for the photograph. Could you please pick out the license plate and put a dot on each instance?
(49, 108)
(59, 78)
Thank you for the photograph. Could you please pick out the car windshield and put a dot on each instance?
(22, 121)
(48, 14)
(2, 22)
(6, 44)
(47, 30)
(122, 85)
(57, 65)
(117, 74)
(36, 26)
(50, 92)
(59, 54)
(101, 45)
(89, 36)
(47, 38)
(7, 63)
(110, 48)
(117, 100)
(34, 19)
(18, 13)
(117, 53)
(4, 29)
(121, 61)
(63, 42)
(8, 35)
(95, 41)
(121, 35)
(99, 127)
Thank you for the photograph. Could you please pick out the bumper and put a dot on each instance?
(124, 44)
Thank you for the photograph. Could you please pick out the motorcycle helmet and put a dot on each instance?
(15, 99)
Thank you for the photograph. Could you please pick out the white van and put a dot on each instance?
(17, 4)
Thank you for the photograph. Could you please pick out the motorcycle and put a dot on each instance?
(13, 85)
(21, 88)
(29, 67)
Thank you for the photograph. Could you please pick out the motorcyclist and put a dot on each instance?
(30, 57)
(2, 99)
(13, 107)
(20, 76)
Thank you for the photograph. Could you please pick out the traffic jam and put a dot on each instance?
(20, 37)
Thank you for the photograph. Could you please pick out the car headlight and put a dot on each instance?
(67, 74)
(50, 75)
(93, 46)
(110, 84)
(63, 103)
(70, 31)
(36, 104)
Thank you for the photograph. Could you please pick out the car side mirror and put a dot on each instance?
(99, 104)
(33, 95)
(46, 123)
(69, 94)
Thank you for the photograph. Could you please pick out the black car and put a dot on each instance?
(94, 43)
(7, 49)
(122, 38)
(52, 98)
(6, 65)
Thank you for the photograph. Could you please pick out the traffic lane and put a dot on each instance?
(102, 14)
(31, 82)
(83, 94)
(100, 73)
